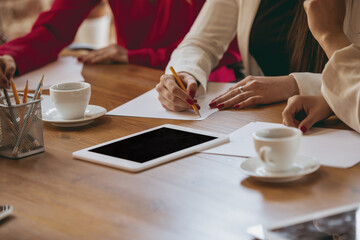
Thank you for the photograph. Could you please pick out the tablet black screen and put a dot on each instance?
(152, 145)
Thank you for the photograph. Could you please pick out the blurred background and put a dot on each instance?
(18, 16)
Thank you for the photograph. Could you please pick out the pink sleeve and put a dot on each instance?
(52, 31)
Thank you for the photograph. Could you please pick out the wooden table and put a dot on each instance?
(197, 197)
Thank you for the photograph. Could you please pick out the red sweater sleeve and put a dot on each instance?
(52, 31)
(157, 58)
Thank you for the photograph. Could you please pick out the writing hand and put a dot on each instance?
(172, 97)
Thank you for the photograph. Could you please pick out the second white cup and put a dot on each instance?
(71, 99)
(277, 147)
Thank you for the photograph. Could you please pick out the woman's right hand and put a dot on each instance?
(112, 53)
(7, 68)
(172, 97)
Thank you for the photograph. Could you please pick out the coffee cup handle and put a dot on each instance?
(264, 154)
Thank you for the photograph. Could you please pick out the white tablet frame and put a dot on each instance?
(85, 154)
(263, 232)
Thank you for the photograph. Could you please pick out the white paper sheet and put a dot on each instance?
(46, 104)
(332, 147)
(64, 69)
(148, 105)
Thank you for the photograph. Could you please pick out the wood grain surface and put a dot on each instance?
(201, 196)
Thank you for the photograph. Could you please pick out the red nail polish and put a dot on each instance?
(198, 107)
(236, 106)
(212, 104)
(221, 105)
(192, 93)
(189, 101)
(303, 129)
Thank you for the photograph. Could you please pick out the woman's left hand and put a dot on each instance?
(112, 53)
(252, 91)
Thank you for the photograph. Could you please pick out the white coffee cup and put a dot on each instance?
(277, 147)
(71, 99)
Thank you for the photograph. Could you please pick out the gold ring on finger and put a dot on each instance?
(241, 89)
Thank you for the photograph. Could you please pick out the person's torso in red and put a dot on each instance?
(149, 29)
(159, 26)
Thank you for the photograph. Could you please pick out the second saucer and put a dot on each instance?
(303, 165)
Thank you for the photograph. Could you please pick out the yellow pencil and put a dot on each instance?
(16, 95)
(38, 87)
(39, 93)
(180, 83)
(26, 91)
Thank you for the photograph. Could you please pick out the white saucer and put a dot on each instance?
(92, 112)
(303, 165)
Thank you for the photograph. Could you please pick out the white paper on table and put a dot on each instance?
(332, 147)
(148, 105)
(46, 104)
(64, 69)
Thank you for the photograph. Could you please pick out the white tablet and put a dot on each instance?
(336, 223)
(149, 148)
